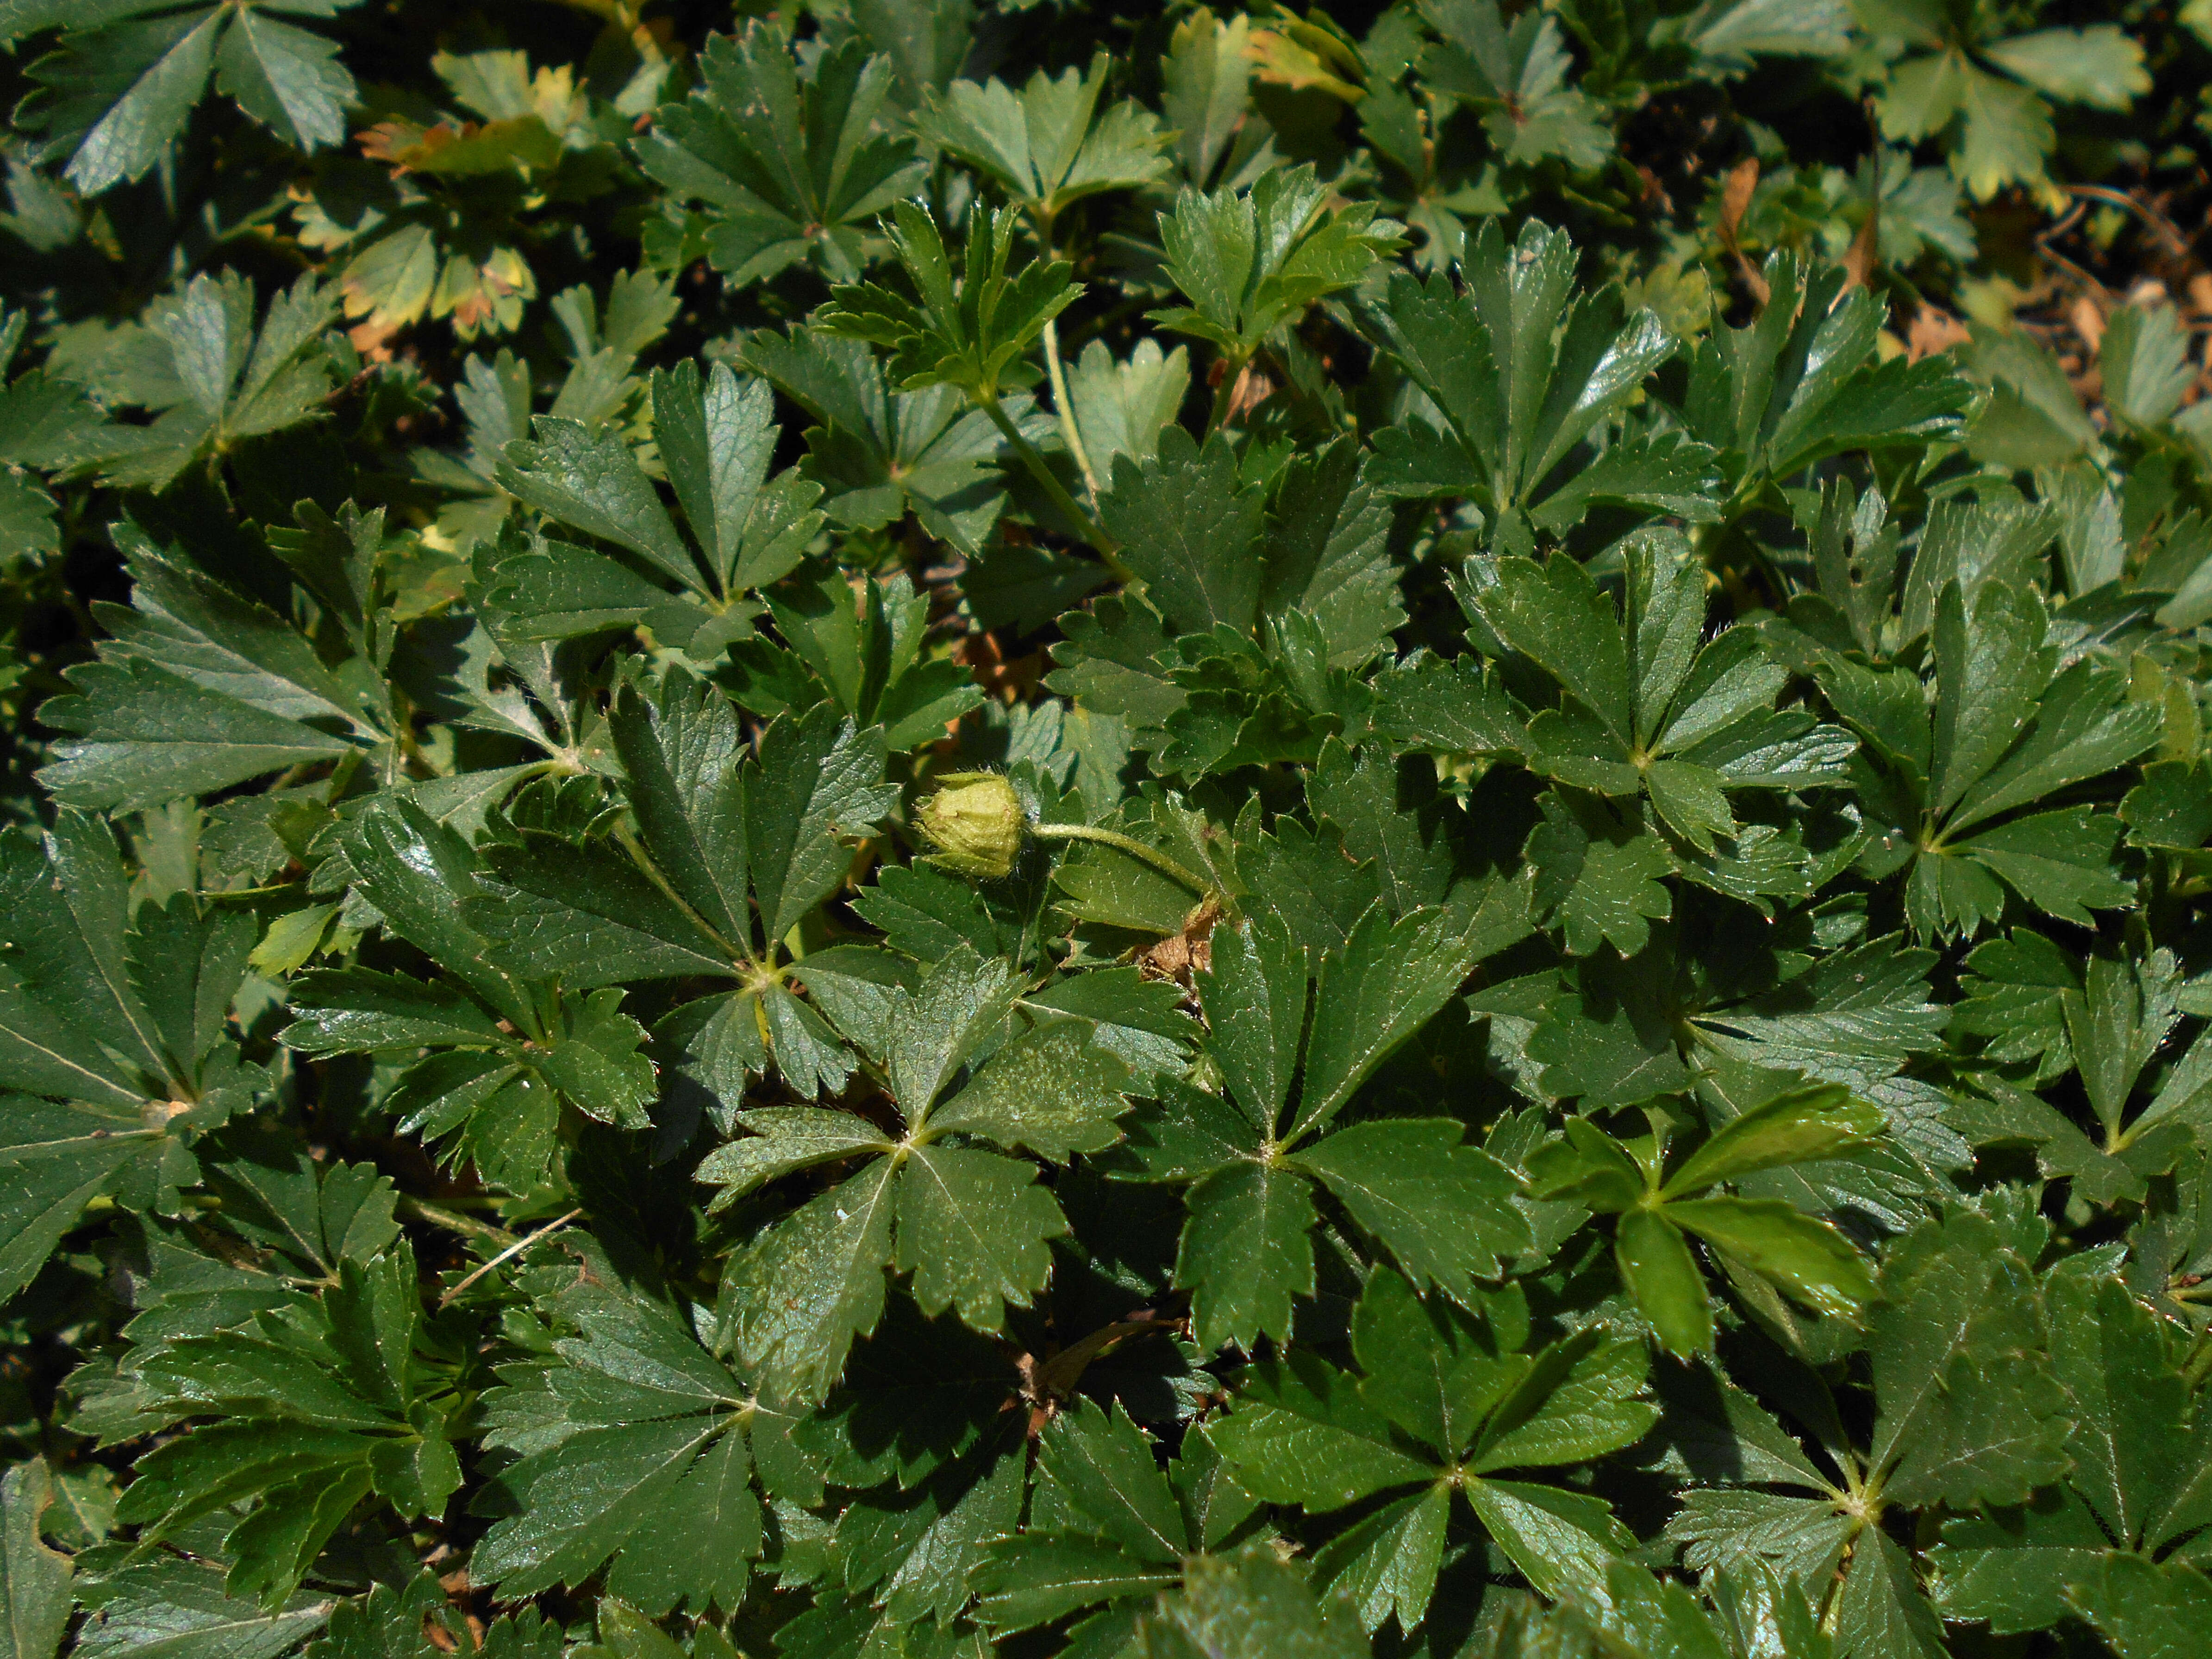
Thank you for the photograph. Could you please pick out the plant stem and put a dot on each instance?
(1129, 844)
(512, 1250)
(1065, 410)
(452, 1220)
(1103, 543)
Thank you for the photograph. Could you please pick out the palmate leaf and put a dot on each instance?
(878, 453)
(2139, 1479)
(120, 1023)
(1463, 1385)
(1246, 1252)
(2000, 129)
(970, 1225)
(1613, 1032)
(216, 377)
(1678, 716)
(786, 166)
(2006, 731)
(1516, 75)
(714, 824)
(1044, 146)
(46, 424)
(120, 85)
(1797, 1253)
(1802, 381)
(863, 652)
(1969, 1411)
(663, 1441)
(493, 1094)
(967, 330)
(315, 1405)
(200, 688)
(1249, 261)
(715, 441)
(1515, 373)
(2110, 1022)
(1273, 610)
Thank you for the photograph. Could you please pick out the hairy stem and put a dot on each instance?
(1121, 843)
(1099, 540)
(452, 1220)
(1065, 410)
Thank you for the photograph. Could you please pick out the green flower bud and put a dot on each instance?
(975, 822)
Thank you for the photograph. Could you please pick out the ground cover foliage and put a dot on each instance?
(926, 828)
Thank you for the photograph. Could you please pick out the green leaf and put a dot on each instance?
(968, 331)
(2143, 1610)
(2132, 1448)
(785, 163)
(1105, 1467)
(1880, 1607)
(1517, 372)
(1517, 77)
(117, 89)
(1803, 379)
(1249, 261)
(1808, 1258)
(2014, 1569)
(749, 529)
(1036, 1578)
(1041, 145)
(1969, 1412)
(2143, 358)
(1246, 1252)
(1577, 1402)
(811, 1285)
(646, 1432)
(34, 1581)
(786, 1139)
(1384, 985)
(311, 1413)
(1556, 616)
(1443, 1210)
(592, 1057)
(1387, 1563)
(1053, 1091)
(230, 380)
(972, 1228)
(1122, 408)
(1657, 1269)
(1253, 990)
(960, 1003)
(1600, 875)
(588, 477)
(1187, 529)
(200, 689)
(881, 453)
(1301, 1434)
(2097, 65)
(1247, 1605)
(172, 1608)
(1430, 1369)
(1558, 1539)
(1798, 1127)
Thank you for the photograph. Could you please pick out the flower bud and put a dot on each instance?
(975, 822)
